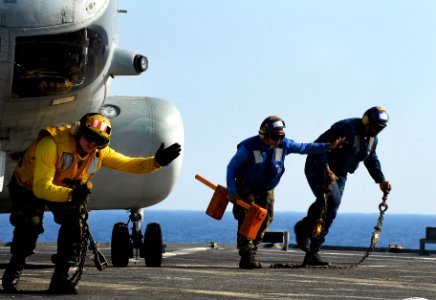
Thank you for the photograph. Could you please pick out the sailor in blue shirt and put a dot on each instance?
(327, 175)
(255, 170)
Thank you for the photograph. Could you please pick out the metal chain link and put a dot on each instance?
(85, 238)
(83, 248)
(383, 206)
(318, 231)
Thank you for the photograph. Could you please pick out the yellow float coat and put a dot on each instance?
(52, 160)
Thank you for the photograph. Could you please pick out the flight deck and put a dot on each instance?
(210, 271)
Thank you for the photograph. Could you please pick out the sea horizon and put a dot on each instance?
(194, 226)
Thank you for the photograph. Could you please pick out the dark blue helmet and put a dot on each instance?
(376, 116)
(272, 126)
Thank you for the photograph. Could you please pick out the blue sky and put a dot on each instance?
(229, 64)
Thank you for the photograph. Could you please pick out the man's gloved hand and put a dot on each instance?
(80, 194)
(232, 198)
(250, 199)
(338, 143)
(385, 186)
(164, 156)
(329, 178)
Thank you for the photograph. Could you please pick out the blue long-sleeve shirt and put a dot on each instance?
(260, 167)
(359, 147)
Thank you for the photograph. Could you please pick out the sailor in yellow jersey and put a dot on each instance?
(53, 173)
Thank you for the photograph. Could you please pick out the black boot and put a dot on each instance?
(314, 260)
(301, 236)
(61, 284)
(312, 257)
(11, 276)
(249, 262)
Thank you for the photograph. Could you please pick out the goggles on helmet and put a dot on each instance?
(376, 116)
(275, 136)
(96, 128)
(91, 137)
(273, 127)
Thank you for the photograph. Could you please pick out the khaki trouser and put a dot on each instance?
(265, 200)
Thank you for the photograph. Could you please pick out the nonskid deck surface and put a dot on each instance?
(199, 271)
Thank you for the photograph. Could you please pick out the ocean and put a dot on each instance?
(349, 229)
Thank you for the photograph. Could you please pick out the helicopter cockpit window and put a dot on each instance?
(56, 64)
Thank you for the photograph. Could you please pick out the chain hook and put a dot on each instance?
(383, 206)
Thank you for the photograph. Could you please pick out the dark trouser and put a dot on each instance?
(315, 177)
(27, 218)
(265, 200)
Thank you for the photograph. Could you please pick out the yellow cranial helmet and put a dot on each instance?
(96, 128)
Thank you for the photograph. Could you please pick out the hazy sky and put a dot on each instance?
(229, 64)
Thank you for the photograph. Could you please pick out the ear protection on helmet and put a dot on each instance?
(75, 128)
(365, 120)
